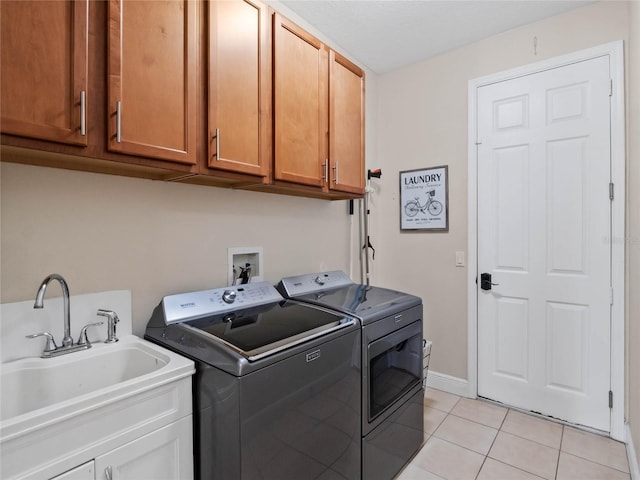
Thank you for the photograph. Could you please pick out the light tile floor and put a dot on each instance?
(478, 440)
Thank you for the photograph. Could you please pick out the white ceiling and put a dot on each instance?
(385, 35)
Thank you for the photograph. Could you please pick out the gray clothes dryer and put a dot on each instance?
(392, 394)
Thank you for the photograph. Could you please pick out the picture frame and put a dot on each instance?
(424, 199)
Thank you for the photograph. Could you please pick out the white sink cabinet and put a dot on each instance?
(162, 454)
(123, 407)
(135, 423)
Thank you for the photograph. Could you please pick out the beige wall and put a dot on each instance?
(633, 231)
(423, 122)
(104, 232)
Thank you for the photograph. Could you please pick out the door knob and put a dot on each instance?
(485, 281)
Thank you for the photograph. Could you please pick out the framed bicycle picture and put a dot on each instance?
(424, 199)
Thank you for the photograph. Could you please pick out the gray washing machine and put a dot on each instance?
(392, 364)
(277, 385)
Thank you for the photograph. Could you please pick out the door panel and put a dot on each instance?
(512, 208)
(512, 325)
(543, 215)
(567, 220)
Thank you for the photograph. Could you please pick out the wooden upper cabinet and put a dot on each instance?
(44, 70)
(239, 87)
(300, 104)
(152, 79)
(346, 125)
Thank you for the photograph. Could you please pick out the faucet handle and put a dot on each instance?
(51, 343)
(83, 339)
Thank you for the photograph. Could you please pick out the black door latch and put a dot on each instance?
(485, 281)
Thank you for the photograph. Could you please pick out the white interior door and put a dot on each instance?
(544, 222)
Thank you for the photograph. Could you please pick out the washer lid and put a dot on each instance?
(267, 329)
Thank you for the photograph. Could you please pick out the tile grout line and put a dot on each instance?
(594, 461)
(531, 440)
(493, 442)
(517, 468)
(491, 446)
(559, 452)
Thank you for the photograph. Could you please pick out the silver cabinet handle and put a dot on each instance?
(108, 473)
(325, 169)
(118, 122)
(83, 113)
(217, 154)
(335, 173)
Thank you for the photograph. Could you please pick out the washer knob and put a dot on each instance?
(319, 280)
(229, 296)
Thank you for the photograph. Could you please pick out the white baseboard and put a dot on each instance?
(631, 455)
(449, 384)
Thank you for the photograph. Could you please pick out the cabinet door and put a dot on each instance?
(166, 453)
(300, 105)
(346, 125)
(152, 79)
(44, 69)
(239, 87)
(85, 471)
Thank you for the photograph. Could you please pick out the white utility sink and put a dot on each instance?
(36, 392)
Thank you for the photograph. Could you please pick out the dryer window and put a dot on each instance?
(395, 366)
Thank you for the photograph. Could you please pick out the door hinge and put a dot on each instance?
(478, 141)
(611, 87)
(610, 190)
(610, 399)
(611, 296)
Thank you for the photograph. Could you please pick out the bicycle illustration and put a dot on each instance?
(434, 207)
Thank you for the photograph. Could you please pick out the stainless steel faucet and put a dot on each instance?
(39, 303)
(51, 349)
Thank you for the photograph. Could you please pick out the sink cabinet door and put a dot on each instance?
(166, 453)
(44, 63)
(86, 471)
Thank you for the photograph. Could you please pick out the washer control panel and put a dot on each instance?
(188, 306)
(313, 282)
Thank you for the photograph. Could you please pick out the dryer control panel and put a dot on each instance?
(313, 282)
